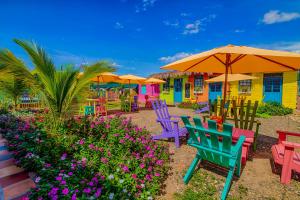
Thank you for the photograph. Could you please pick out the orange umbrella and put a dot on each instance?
(231, 78)
(237, 59)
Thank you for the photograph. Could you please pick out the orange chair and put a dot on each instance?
(284, 154)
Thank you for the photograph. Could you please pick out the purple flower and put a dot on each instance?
(64, 156)
(87, 190)
(148, 177)
(98, 192)
(91, 183)
(81, 142)
(70, 173)
(63, 182)
(37, 179)
(73, 197)
(65, 191)
(58, 178)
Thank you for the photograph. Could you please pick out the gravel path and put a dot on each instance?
(257, 176)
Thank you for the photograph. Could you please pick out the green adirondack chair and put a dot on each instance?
(215, 147)
(244, 117)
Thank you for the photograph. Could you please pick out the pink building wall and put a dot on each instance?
(149, 88)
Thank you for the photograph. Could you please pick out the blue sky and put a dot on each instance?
(140, 36)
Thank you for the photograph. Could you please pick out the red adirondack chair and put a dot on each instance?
(101, 107)
(284, 154)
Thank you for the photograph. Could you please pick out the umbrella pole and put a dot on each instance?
(98, 86)
(227, 64)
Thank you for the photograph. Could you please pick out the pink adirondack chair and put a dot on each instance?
(169, 123)
(284, 154)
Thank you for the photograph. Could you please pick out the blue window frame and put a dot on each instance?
(166, 85)
(198, 84)
(143, 89)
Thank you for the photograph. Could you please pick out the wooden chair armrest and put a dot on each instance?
(168, 120)
(291, 144)
(288, 133)
(282, 135)
(238, 146)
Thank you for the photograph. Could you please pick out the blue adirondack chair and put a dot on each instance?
(215, 147)
(169, 123)
(89, 110)
(205, 108)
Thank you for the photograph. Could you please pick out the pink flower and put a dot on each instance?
(64, 156)
(159, 162)
(65, 191)
(87, 190)
(134, 176)
(81, 142)
(148, 177)
(156, 174)
(142, 165)
(125, 168)
(150, 169)
(59, 178)
(92, 125)
(91, 146)
(104, 160)
(122, 141)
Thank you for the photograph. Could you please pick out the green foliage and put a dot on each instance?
(59, 88)
(92, 158)
(273, 109)
(190, 105)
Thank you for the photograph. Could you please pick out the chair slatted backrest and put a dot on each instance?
(161, 109)
(244, 114)
(223, 108)
(213, 145)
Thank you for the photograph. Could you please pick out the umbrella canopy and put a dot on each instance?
(106, 77)
(129, 78)
(237, 59)
(231, 78)
(154, 81)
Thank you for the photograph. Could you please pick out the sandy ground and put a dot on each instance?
(257, 175)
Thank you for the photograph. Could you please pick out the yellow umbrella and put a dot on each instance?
(237, 59)
(129, 78)
(154, 81)
(106, 77)
(231, 78)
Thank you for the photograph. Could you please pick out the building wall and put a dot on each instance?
(168, 96)
(149, 88)
(290, 88)
(256, 89)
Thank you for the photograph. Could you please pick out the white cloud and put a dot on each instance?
(144, 5)
(168, 23)
(197, 25)
(184, 14)
(118, 25)
(275, 16)
(239, 31)
(175, 57)
(284, 46)
(192, 28)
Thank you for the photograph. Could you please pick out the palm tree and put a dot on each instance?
(59, 88)
(12, 87)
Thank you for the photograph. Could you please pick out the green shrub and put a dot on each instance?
(273, 109)
(190, 105)
(89, 158)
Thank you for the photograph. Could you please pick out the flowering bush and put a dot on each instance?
(107, 158)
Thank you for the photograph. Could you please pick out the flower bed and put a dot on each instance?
(102, 158)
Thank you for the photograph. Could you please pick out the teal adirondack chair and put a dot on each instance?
(215, 147)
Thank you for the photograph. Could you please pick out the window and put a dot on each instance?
(166, 85)
(143, 89)
(198, 84)
(187, 90)
(245, 86)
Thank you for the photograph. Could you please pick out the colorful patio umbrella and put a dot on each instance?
(105, 77)
(237, 59)
(154, 81)
(129, 78)
(230, 78)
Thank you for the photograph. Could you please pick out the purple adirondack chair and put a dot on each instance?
(203, 109)
(135, 105)
(169, 123)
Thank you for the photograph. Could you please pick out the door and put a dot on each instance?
(273, 88)
(215, 90)
(178, 90)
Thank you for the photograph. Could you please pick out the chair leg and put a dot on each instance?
(191, 169)
(227, 184)
(286, 172)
